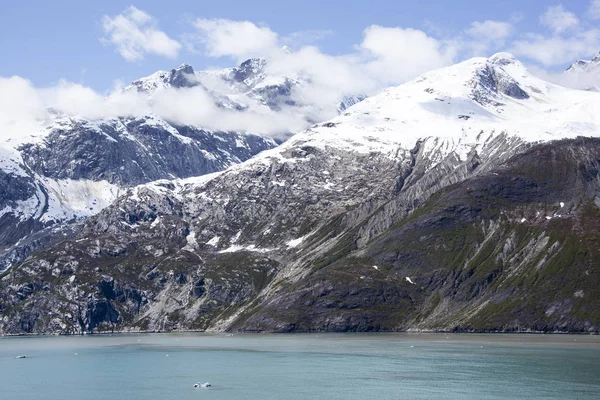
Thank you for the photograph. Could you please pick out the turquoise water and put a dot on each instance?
(349, 366)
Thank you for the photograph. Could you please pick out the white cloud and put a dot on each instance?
(134, 33)
(25, 110)
(400, 54)
(237, 39)
(490, 30)
(481, 37)
(568, 41)
(385, 56)
(558, 19)
(556, 50)
(580, 79)
(594, 10)
(22, 109)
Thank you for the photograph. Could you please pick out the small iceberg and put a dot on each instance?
(202, 385)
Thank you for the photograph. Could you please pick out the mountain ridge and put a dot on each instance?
(422, 208)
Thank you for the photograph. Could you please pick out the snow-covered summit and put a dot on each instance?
(182, 76)
(456, 109)
(585, 74)
(236, 88)
(585, 64)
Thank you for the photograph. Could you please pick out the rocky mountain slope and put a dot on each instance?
(463, 200)
(76, 167)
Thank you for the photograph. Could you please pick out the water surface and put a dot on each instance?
(331, 366)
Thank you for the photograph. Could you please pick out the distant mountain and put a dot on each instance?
(585, 74)
(233, 88)
(465, 200)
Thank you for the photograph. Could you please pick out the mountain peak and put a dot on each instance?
(182, 76)
(503, 59)
(185, 67)
(584, 64)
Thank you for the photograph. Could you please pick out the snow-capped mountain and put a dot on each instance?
(585, 74)
(465, 199)
(74, 167)
(235, 88)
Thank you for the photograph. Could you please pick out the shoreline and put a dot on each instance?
(409, 332)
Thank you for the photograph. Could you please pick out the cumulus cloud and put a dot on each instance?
(237, 39)
(490, 30)
(399, 54)
(385, 56)
(25, 109)
(134, 33)
(552, 51)
(558, 19)
(569, 39)
(486, 35)
(583, 79)
(22, 109)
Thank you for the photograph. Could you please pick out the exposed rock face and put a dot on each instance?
(129, 152)
(80, 167)
(513, 249)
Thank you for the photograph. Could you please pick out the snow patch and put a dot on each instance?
(155, 222)
(295, 242)
(73, 199)
(214, 241)
(252, 248)
(236, 237)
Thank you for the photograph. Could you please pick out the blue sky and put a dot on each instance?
(45, 42)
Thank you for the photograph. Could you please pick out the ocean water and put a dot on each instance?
(323, 366)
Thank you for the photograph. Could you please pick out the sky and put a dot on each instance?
(75, 57)
(48, 41)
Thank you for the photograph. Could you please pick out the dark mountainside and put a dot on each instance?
(506, 245)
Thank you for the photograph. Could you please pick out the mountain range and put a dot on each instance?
(76, 166)
(464, 200)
